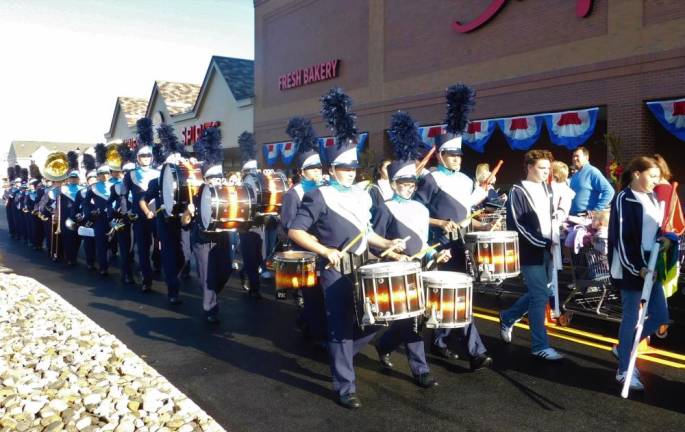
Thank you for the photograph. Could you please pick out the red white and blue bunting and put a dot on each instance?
(271, 152)
(671, 115)
(571, 129)
(286, 150)
(478, 133)
(521, 132)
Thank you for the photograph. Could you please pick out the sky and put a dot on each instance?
(64, 62)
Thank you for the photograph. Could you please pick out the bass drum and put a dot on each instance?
(267, 189)
(224, 207)
(179, 185)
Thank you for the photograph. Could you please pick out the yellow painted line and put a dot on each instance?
(647, 356)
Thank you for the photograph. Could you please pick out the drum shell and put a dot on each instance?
(267, 190)
(393, 289)
(449, 299)
(495, 254)
(179, 186)
(295, 270)
(224, 207)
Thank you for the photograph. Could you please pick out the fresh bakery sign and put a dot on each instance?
(583, 9)
(309, 75)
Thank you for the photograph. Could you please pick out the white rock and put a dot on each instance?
(84, 422)
(58, 405)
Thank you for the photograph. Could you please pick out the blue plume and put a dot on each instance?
(208, 147)
(10, 173)
(17, 171)
(404, 136)
(335, 109)
(158, 155)
(169, 140)
(246, 143)
(24, 174)
(88, 162)
(35, 171)
(460, 102)
(72, 157)
(144, 129)
(302, 134)
(126, 153)
(100, 154)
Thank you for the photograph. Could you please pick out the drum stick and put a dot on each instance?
(349, 245)
(499, 219)
(424, 161)
(390, 249)
(423, 251)
(494, 172)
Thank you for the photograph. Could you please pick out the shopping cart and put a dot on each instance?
(592, 293)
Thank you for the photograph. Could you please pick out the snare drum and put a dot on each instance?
(295, 269)
(449, 298)
(267, 191)
(495, 254)
(390, 291)
(224, 207)
(179, 184)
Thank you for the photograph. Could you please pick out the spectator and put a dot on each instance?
(494, 197)
(593, 190)
(561, 192)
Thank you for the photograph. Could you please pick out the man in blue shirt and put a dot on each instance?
(593, 190)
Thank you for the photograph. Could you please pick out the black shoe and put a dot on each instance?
(300, 302)
(211, 319)
(245, 285)
(425, 380)
(350, 400)
(444, 352)
(480, 362)
(384, 359)
(128, 281)
(103, 273)
(147, 287)
(174, 301)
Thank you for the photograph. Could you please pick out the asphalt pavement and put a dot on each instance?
(255, 371)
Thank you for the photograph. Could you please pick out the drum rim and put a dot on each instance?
(309, 257)
(403, 315)
(428, 274)
(413, 266)
(492, 235)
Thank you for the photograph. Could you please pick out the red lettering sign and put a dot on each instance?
(308, 75)
(192, 133)
(583, 9)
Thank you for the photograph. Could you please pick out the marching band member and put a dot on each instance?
(45, 209)
(36, 191)
(68, 194)
(530, 212)
(99, 206)
(21, 206)
(136, 182)
(449, 196)
(168, 227)
(8, 198)
(635, 225)
(250, 240)
(312, 319)
(402, 217)
(120, 207)
(82, 209)
(212, 250)
(332, 218)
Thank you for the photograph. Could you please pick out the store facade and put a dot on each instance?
(548, 73)
(224, 99)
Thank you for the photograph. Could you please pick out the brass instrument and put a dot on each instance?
(113, 158)
(56, 168)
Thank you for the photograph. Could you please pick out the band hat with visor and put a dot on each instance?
(460, 100)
